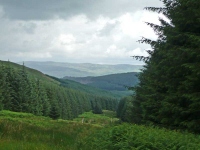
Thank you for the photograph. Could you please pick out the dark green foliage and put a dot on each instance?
(3, 89)
(124, 109)
(135, 137)
(97, 108)
(54, 112)
(169, 90)
(84, 88)
(26, 90)
(115, 83)
(6, 88)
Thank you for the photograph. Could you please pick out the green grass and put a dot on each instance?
(23, 131)
(135, 137)
(107, 118)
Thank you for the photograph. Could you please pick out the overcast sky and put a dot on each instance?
(93, 31)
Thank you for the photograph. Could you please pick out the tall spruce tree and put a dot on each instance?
(124, 109)
(97, 108)
(23, 90)
(54, 112)
(8, 85)
(2, 83)
(169, 90)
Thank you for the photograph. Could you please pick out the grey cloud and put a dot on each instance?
(28, 27)
(23, 35)
(107, 29)
(49, 9)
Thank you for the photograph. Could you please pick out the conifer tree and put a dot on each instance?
(2, 79)
(168, 92)
(68, 106)
(9, 87)
(54, 112)
(97, 108)
(24, 90)
(124, 109)
(37, 97)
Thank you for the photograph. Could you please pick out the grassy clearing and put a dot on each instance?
(107, 118)
(22, 131)
(25, 131)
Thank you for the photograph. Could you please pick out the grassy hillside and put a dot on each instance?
(115, 83)
(107, 118)
(59, 69)
(22, 131)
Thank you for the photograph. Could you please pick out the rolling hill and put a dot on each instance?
(62, 69)
(115, 83)
(75, 85)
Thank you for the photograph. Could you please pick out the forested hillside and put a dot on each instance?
(26, 90)
(168, 93)
(85, 88)
(115, 83)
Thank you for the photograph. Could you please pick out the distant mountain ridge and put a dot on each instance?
(62, 69)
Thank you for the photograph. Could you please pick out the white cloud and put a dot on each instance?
(137, 52)
(76, 39)
(133, 24)
(66, 39)
(34, 55)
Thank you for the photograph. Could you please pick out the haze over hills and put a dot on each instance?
(62, 69)
(115, 83)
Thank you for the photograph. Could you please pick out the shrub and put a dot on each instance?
(127, 136)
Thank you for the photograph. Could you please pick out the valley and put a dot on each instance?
(76, 113)
(115, 83)
(100, 75)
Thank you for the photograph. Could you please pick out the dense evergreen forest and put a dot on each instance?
(168, 94)
(115, 83)
(110, 82)
(86, 88)
(26, 90)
